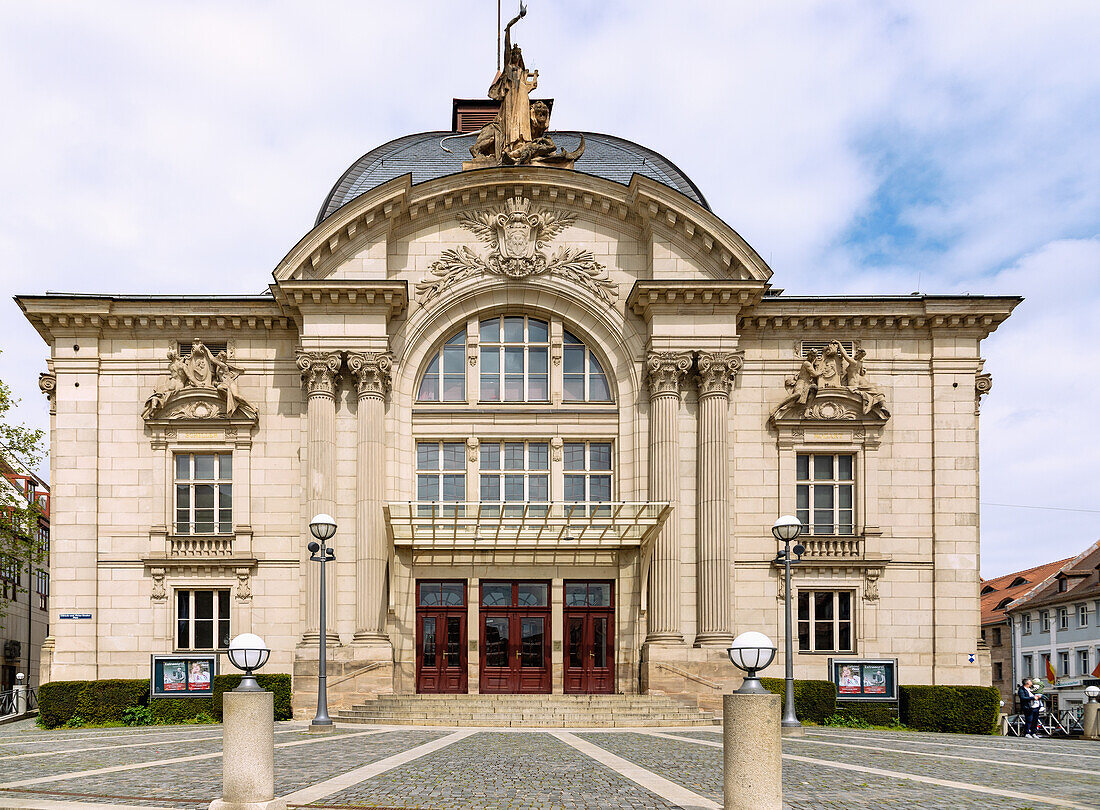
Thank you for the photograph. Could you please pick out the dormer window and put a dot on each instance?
(988, 589)
(1004, 602)
(1017, 582)
(1062, 585)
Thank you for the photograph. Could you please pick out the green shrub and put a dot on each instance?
(813, 700)
(846, 721)
(874, 714)
(127, 701)
(954, 709)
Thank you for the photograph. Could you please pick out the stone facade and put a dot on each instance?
(696, 346)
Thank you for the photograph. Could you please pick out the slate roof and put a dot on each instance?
(605, 156)
(1002, 588)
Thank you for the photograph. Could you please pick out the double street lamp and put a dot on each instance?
(323, 527)
(787, 529)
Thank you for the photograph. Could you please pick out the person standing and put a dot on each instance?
(1029, 707)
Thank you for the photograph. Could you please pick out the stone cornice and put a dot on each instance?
(373, 372)
(400, 204)
(293, 296)
(649, 296)
(980, 314)
(666, 372)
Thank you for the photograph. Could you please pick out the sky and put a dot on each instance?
(860, 147)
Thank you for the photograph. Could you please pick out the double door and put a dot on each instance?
(441, 637)
(515, 637)
(589, 665)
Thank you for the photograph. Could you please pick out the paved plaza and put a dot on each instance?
(400, 767)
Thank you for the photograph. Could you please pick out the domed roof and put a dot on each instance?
(421, 156)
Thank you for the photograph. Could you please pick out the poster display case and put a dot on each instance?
(864, 679)
(181, 676)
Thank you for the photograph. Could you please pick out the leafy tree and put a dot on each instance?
(22, 449)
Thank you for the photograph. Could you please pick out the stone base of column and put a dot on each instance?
(697, 674)
(664, 639)
(354, 674)
(723, 640)
(369, 638)
(311, 638)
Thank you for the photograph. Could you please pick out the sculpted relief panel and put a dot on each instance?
(832, 385)
(516, 235)
(202, 385)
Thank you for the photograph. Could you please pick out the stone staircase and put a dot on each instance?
(544, 711)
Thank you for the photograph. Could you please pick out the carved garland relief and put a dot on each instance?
(516, 235)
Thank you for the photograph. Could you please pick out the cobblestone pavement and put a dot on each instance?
(436, 769)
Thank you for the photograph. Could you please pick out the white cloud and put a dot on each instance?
(858, 146)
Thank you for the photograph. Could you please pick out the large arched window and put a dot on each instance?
(445, 378)
(515, 359)
(583, 379)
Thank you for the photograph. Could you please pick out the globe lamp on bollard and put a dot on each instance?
(751, 739)
(787, 529)
(323, 527)
(248, 652)
(1090, 718)
(752, 652)
(248, 734)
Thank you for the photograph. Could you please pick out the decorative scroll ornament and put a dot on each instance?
(716, 371)
(47, 384)
(159, 593)
(870, 584)
(201, 386)
(983, 384)
(832, 386)
(666, 372)
(244, 585)
(373, 372)
(516, 235)
(518, 135)
(320, 370)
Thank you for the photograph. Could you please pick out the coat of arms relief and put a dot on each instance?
(516, 235)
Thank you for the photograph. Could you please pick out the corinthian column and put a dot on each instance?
(372, 372)
(665, 374)
(716, 373)
(320, 373)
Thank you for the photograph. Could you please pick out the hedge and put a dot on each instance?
(956, 709)
(877, 714)
(105, 701)
(813, 700)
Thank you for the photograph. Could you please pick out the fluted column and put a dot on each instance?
(372, 372)
(716, 372)
(665, 374)
(320, 373)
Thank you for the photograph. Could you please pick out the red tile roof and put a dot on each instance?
(1003, 588)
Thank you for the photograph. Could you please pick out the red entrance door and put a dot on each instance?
(441, 637)
(589, 638)
(515, 637)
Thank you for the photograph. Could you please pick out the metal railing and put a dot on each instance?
(17, 702)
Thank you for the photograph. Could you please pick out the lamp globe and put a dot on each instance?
(787, 528)
(322, 526)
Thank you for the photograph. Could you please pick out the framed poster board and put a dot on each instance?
(864, 678)
(181, 676)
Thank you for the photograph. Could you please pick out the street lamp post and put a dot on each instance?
(323, 527)
(786, 529)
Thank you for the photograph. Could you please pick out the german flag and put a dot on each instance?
(1051, 675)
(1096, 672)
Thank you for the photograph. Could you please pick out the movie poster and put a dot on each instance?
(198, 676)
(174, 677)
(850, 682)
(874, 679)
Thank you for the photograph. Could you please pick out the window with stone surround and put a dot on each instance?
(42, 588)
(1029, 669)
(1063, 618)
(1063, 664)
(825, 493)
(1082, 615)
(204, 493)
(444, 379)
(1027, 623)
(825, 621)
(1082, 662)
(441, 472)
(202, 619)
(515, 474)
(1044, 620)
(588, 473)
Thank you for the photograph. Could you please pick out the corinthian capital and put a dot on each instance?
(716, 371)
(665, 372)
(320, 370)
(373, 372)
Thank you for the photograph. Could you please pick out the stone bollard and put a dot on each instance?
(1090, 727)
(248, 753)
(752, 752)
(20, 699)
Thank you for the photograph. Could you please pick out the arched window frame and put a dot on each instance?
(444, 378)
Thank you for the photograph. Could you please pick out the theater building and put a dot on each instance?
(555, 404)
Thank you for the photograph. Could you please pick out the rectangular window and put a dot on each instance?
(825, 621)
(441, 472)
(588, 474)
(202, 619)
(1063, 618)
(1027, 622)
(998, 672)
(1029, 671)
(996, 637)
(204, 493)
(1082, 663)
(1082, 615)
(11, 573)
(1044, 620)
(824, 496)
(1063, 664)
(43, 543)
(516, 474)
(42, 588)
(515, 359)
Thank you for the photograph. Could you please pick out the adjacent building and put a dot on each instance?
(1056, 622)
(997, 594)
(24, 578)
(555, 404)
